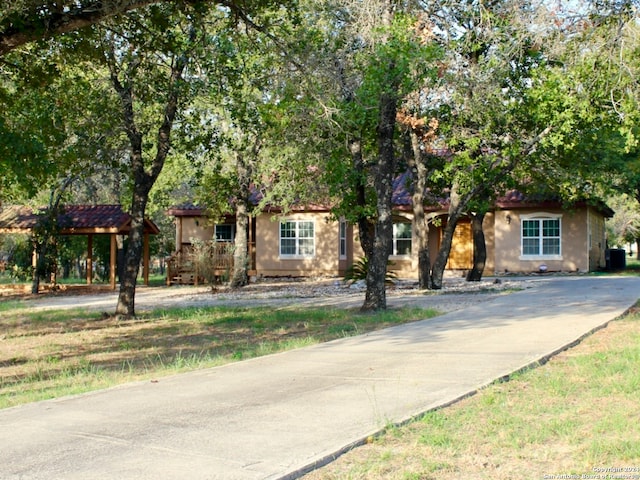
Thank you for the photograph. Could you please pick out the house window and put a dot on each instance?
(401, 239)
(541, 237)
(343, 240)
(297, 238)
(224, 233)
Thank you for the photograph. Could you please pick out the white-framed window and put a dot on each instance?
(297, 239)
(225, 232)
(343, 239)
(401, 239)
(541, 236)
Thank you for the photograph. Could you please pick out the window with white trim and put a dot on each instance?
(343, 240)
(401, 239)
(225, 232)
(541, 236)
(297, 239)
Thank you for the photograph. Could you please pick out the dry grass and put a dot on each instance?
(54, 353)
(574, 417)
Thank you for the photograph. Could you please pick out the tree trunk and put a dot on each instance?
(376, 297)
(244, 165)
(133, 255)
(66, 269)
(241, 247)
(143, 180)
(479, 248)
(45, 234)
(455, 212)
(420, 220)
(35, 274)
(366, 228)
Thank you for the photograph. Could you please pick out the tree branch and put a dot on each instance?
(40, 22)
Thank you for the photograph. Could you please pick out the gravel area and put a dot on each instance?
(324, 292)
(456, 294)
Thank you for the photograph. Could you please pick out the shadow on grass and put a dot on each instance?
(40, 349)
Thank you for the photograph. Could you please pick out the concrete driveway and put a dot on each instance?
(277, 416)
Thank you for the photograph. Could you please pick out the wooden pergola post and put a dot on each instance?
(113, 255)
(89, 259)
(179, 234)
(145, 260)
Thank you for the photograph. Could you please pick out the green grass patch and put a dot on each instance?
(577, 413)
(8, 305)
(46, 354)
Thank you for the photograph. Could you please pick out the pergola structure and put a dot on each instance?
(86, 220)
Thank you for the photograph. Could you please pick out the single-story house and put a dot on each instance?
(522, 236)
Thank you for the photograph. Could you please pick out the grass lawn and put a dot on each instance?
(48, 354)
(578, 416)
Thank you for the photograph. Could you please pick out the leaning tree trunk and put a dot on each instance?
(455, 212)
(376, 297)
(440, 263)
(479, 248)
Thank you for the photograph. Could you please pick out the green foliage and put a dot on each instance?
(358, 271)
(58, 119)
(624, 227)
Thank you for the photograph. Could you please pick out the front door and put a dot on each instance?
(461, 255)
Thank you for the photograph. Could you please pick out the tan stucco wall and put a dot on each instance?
(488, 225)
(582, 242)
(324, 262)
(192, 227)
(574, 238)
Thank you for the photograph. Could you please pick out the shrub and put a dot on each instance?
(359, 269)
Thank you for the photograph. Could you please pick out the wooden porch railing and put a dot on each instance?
(182, 266)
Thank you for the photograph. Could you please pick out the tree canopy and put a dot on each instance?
(333, 100)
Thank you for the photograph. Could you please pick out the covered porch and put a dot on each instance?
(86, 220)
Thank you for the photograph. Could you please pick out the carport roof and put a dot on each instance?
(75, 220)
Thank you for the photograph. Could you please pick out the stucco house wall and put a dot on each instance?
(574, 251)
(188, 228)
(580, 242)
(325, 259)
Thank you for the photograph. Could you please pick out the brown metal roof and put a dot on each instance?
(75, 220)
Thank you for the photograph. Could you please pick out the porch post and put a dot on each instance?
(112, 262)
(145, 261)
(89, 259)
(251, 247)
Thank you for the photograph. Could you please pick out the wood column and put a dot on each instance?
(113, 256)
(89, 259)
(179, 234)
(145, 261)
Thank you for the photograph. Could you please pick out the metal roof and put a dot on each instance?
(75, 220)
